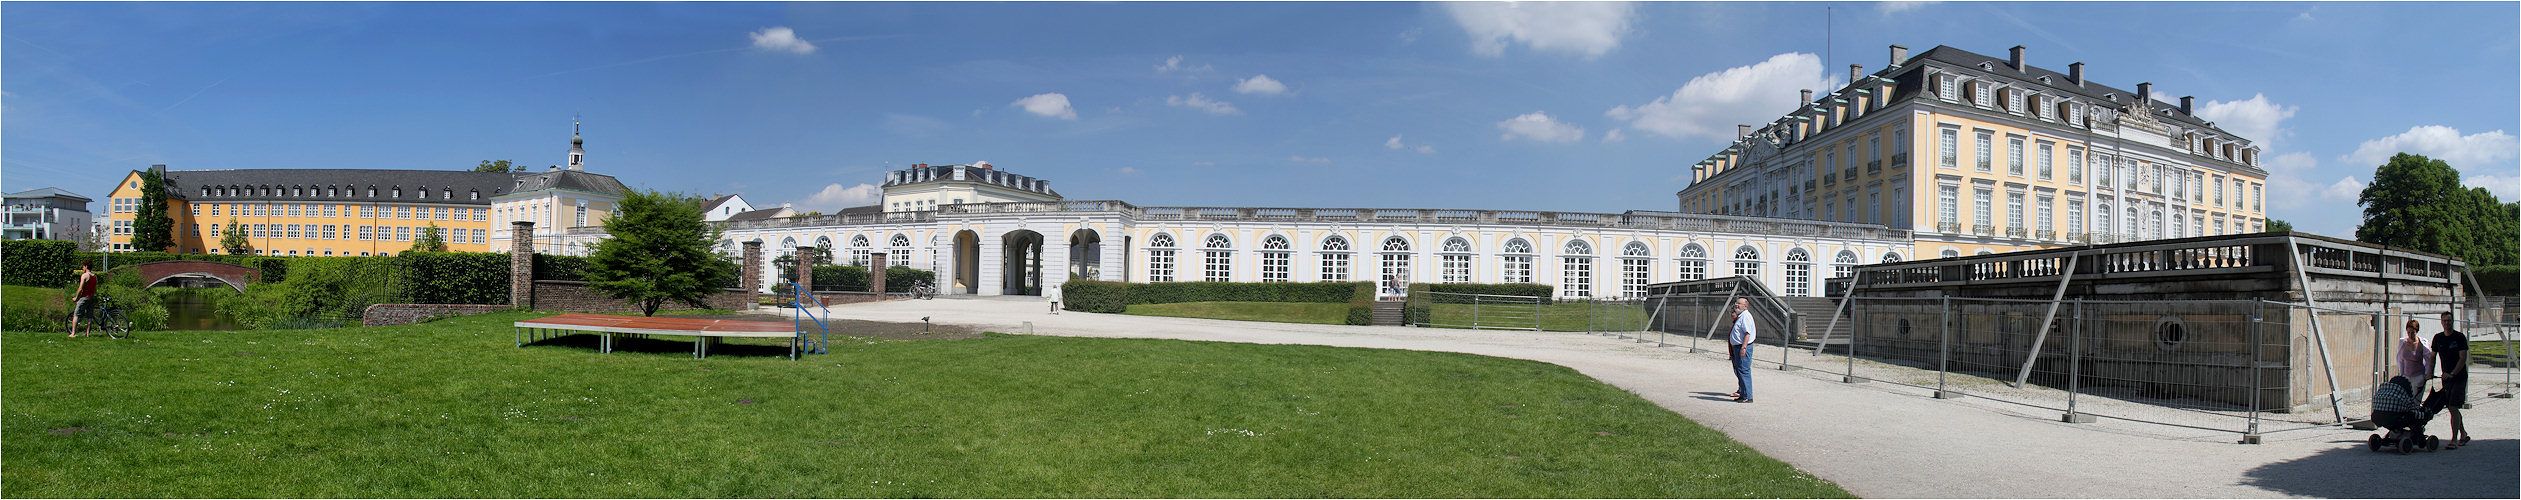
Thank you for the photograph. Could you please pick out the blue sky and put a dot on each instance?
(1569, 107)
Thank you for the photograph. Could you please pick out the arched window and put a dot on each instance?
(1798, 273)
(2101, 224)
(1746, 262)
(859, 247)
(1335, 258)
(1845, 266)
(1220, 258)
(1693, 262)
(1950, 253)
(1517, 261)
(1277, 263)
(1160, 258)
(1890, 257)
(901, 251)
(1395, 262)
(1636, 267)
(1456, 260)
(1575, 278)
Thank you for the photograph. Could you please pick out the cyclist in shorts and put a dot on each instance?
(85, 303)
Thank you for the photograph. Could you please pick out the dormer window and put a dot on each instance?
(2013, 101)
(446, 193)
(1944, 88)
(476, 194)
(1979, 95)
(371, 191)
(398, 191)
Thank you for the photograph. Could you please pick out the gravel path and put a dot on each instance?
(1877, 440)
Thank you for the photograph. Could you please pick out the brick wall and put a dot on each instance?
(838, 298)
(404, 314)
(576, 296)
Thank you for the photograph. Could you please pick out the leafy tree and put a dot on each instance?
(498, 166)
(659, 251)
(429, 240)
(2418, 203)
(233, 241)
(2278, 225)
(154, 231)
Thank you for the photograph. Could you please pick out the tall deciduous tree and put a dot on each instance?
(498, 166)
(2278, 226)
(429, 240)
(2418, 203)
(659, 251)
(153, 230)
(233, 241)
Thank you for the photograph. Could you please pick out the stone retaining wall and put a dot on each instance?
(576, 296)
(404, 314)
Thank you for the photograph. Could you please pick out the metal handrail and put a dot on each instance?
(797, 295)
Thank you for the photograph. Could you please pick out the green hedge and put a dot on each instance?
(558, 267)
(1419, 311)
(455, 277)
(2500, 281)
(855, 279)
(39, 263)
(1114, 297)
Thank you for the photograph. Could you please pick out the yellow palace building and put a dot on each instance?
(362, 212)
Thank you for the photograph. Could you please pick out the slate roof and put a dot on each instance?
(756, 214)
(865, 210)
(712, 205)
(49, 192)
(573, 180)
(188, 184)
(2057, 83)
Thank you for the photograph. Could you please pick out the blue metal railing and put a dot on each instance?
(798, 297)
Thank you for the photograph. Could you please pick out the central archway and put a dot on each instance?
(1085, 254)
(1023, 263)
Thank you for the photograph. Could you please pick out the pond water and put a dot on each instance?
(195, 309)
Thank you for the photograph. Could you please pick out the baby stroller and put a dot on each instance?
(2394, 409)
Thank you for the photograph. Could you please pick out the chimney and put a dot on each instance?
(1807, 96)
(1854, 72)
(2187, 105)
(1899, 54)
(2074, 73)
(2144, 91)
(2018, 66)
(1741, 132)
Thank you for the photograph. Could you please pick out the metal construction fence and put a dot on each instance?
(1516, 312)
(2246, 367)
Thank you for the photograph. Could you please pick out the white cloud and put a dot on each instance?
(1588, 28)
(1395, 143)
(1889, 8)
(1412, 35)
(1712, 104)
(2440, 143)
(1129, 171)
(1302, 159)
(1172, 64)
(2285, 188)
(2346, 190)
(1203, 103)
(1615, 135)
(781, 39)
(835, 197)
(1259, 84)
(2256, 118)
(1052, 105)
(1539, 126)
(2505, 187)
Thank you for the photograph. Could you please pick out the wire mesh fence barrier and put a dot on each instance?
(2490, 358)
(1480, 311)
(1626, 318)
(1695, 321)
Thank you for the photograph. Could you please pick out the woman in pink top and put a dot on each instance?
(2415, 361)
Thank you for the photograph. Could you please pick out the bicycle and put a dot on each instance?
(923, 291)
(110, 320)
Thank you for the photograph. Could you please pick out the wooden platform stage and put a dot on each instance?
(702, 331)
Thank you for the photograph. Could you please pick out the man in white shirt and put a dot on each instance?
(1738, 349)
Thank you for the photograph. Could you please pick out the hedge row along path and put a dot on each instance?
(1875, 440)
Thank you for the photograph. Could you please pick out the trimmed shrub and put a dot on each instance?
(2499, 281)
(1361, 303)
(42, 263)
(1114, 297)
(1094, 296)
(1514, 289)
(553, 267)
(900, 279)
(454, 277)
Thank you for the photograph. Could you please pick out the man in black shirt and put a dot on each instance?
(2450, 349)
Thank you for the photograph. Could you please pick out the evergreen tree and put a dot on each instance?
(429, 240)
(659, 251)
(153, 231)
(2418, 203)
(233, 241)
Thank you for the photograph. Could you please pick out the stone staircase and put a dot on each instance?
(1816, 312)
(1388, 312)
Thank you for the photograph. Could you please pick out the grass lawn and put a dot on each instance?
(2490, 352)
(1282, 312)
(453, 409)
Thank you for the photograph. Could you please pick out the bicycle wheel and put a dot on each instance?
(114, 324)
